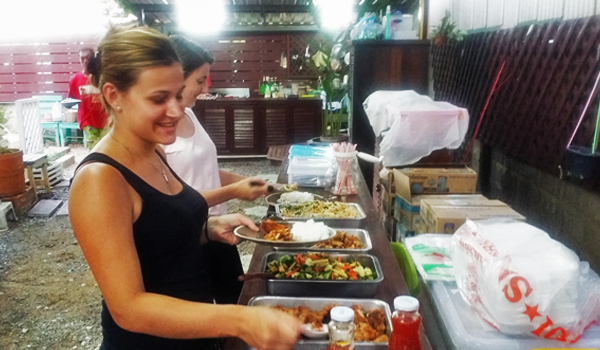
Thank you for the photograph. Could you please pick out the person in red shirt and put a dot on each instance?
(90, 115)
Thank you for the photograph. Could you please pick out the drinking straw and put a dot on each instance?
(487, 102)
(595, 144)
(587, 105)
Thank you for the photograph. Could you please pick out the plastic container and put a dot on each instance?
(465, 330)
(306, 151)
(341, 329)
(406, 321)
(312, 172)
(57, 112)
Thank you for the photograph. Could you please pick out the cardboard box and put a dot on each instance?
(403, 232)
(390, 228)
(408, 211)
(449, 219)
(411, 181)
(456, 201)
(388, 203)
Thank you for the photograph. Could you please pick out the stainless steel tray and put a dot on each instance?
(363, 235)
(319, 303)
(325, 288)
(331, 222)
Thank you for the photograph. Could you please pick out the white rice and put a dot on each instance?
(295, 197)
(310, 231)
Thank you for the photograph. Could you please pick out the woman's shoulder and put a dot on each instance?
(98, 169)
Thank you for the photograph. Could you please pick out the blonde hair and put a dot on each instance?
(124, 53)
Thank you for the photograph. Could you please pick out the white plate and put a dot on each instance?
(244, 232)
(274, 197)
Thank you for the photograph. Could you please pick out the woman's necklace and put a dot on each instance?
(160, 171)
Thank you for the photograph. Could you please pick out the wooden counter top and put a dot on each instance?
(392, 285)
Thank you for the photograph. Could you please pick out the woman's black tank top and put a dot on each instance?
(167, 240)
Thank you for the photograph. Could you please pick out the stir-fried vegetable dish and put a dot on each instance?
(320, 209)
(318, 266)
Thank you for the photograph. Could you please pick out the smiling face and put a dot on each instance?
(151, 108)
(196, 84)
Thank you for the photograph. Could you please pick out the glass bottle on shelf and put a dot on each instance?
(341, 329)
(267, 88)
(275, 89)
(262, 86)
(406, 322)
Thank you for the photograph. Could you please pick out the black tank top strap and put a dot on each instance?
(136, 182)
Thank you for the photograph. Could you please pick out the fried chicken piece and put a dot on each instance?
(376, 319)
(341, 240)
(364, 332)
(382, 339)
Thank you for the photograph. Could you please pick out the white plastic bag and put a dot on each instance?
(417, 125)
(523, 282)
(431, 255)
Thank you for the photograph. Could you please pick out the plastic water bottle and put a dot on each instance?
(341, 329)
(406, 322)
(388, 23)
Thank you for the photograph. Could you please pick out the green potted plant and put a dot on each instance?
(447, 30)
(12, 169)
(330, 81)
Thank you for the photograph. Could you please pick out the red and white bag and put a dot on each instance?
(523, 282)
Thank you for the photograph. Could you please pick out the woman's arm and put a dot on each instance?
(248, 188)
(228, 178)
(102, 209)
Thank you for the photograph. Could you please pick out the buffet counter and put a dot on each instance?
(392, 285)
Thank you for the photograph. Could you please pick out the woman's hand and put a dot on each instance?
(220, 228)
(251, 188)
(269, 329)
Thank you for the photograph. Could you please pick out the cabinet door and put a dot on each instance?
(277, 128)
(213, 120)
(306, 122)
(242, 140)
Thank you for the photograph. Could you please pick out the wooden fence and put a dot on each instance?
(240, 61)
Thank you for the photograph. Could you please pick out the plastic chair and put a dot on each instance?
(407, 266)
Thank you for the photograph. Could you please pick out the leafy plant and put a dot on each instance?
(4, 145)
(447, 30)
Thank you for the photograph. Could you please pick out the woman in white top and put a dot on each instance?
(193, 156)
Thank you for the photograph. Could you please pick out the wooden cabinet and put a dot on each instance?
(382, 65)
(250, 126)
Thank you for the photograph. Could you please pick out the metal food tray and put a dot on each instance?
(363, 235)
(319, 303)
(331, 222)
(324, 288)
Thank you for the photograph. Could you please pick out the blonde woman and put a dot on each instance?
(140, 227)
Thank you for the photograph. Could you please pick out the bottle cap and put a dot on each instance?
(406, 303)
(342, 314)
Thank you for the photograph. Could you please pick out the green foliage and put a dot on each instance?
(126, 6)
(3, 142)
(447, 29)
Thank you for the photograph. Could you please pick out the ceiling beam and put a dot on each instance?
(148, 8)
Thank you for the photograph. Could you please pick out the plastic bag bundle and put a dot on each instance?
(417, 125)
(523, 282)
